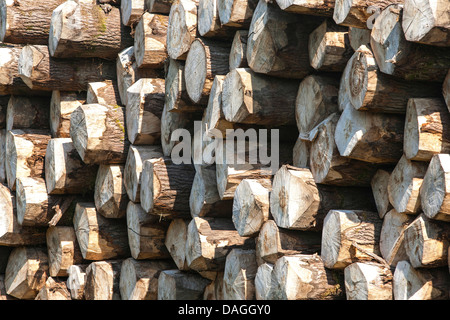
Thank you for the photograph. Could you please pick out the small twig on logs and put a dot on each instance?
(372, 255)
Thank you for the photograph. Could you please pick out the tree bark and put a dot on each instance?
(425, 134)
(210, 240)
(150, 40)
(99, 238)
(329, 47)
(404, 185)
(131, 11)
(139, 279)
(26, 272)
(273, 243)
(181, 285)
(103, 280)
(427, 22)
(145, 103)
(25, 154)
(175, 242)
(146, 234)
(238, 51)
(26, 21)
(321, 284)
(99, 135)
(41, 72)
(85, 30)
(341, 229)
(206, 59)
(62, 105)
(287, 59)
(298, 203)
(379, 185)
(28, 113)
(236, 13)
(110, 195)
(54, 290)
(310, 7)
(104, 92)
(368, 281)
(250, 98)
(426, 242)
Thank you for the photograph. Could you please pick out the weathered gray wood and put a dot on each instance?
(181, 285)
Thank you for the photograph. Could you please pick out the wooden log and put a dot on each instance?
(355, 13)
(329, 166)
(434, 192)
(4, 100)
(103, 280)
(25, 154)
(110, 194)
(182, 28)
(204, 200)
(35, 63)
(54, 290)
(11, 232)
(250, 207)
(175, 242)
(368, 281)
(214, 291)
(315, 8)
(238, 51)
(63, 250)
(133, 168)
(273, 242)
(371, 137)
(379, 185)
(358, 37)
(26, 21)
(4, 255)
(426, 242)
(239, 275)
(321, 284)
(99, 135)
(263, 282)
(250, 98)
(150, 40)
(404, 59)
(316, 99)
(26, 272)
(62, 105)
(139, 279)
(424, 134)
(372, 90)
(420, 284)
(427, 22)
(404, 185)
(209, 242)
(131, 11)
(206, 59)
(236, 13)
(446, 90)
(128, 72)
(65, 172)
(99, 238)
(180, 285)
(76, 281)
(104, 92)
(329, 47)
(146, 234)
(392, 237)
(289, 59)
(209, 24)
(158, 6)
(3, 294)
(102, 36)
(300, 153)
(145, 103)
(166, 187)
(342, 228)
(27, 113)
(298, 203)
(3, 155)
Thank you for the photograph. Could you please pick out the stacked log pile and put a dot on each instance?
(97, 98)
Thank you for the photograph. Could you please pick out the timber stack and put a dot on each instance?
(115, 168)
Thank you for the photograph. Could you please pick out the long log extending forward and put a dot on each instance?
(98, 134)
(404, 185)
(289, 59)
(62, 105)
(321, 283)
(99, 238)
(139, 279)
(25, 112)
(341, 229)
(102, 34)
(420, 284)
(425, 129)
(41, 72)
(298, 203)
(180, 285)
(427, 22)
(26, 21)
(368, 281)
(103, 280)
(404, 59)
(236, 13)
(176, 242)
(379, 185)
